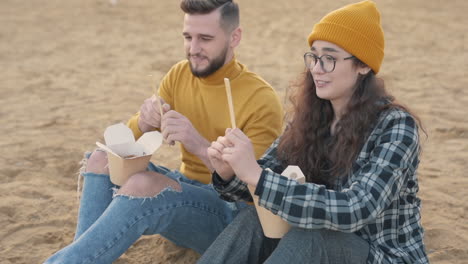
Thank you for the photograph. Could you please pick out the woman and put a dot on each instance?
(358, 149)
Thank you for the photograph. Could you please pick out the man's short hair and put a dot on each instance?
(228, 9)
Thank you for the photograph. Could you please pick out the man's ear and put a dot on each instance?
(236, 36)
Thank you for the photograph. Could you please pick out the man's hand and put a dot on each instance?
(150, 115)
(177, 127)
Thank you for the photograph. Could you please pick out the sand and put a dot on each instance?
(71, 68)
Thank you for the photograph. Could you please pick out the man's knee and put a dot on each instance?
(147, 184)
(97, 163)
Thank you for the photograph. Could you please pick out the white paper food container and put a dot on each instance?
(274, 226)
(125, 156)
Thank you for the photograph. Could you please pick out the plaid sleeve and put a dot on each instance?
(269, 160)
(373, 187)
(235, 189)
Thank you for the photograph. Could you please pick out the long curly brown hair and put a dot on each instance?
(307, 141)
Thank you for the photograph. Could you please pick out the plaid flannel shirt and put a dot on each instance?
(377, 202)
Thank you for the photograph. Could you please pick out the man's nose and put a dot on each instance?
(194, 47)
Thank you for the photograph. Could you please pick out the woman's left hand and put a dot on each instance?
(241, 156)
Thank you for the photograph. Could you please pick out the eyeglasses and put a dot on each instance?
(327, 62)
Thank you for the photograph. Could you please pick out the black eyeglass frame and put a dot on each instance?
(317, 58)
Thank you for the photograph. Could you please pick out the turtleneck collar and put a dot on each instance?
(230, 70)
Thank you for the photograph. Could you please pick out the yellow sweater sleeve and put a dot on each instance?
(133, 125)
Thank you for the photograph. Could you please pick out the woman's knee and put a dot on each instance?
(248, 216)
(147, 184)
(97, 163)
(305, 236)
(246, 221)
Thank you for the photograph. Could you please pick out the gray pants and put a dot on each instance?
(241, 242)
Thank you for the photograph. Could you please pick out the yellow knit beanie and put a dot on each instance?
(355, 28)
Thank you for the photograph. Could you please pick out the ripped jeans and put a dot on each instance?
(109, 224)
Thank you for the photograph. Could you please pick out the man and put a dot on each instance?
(179, 205)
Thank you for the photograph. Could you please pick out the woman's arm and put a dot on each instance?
(235, 189)
(374, 186)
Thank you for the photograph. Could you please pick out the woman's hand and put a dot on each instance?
(214, 153)
(239, 154)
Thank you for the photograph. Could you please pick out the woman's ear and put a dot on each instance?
(364, 70)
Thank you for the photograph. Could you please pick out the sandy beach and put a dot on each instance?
(71, 68)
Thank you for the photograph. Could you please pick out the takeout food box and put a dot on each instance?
(274, 226)
(125, 156)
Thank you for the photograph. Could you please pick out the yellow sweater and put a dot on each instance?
(203, 101)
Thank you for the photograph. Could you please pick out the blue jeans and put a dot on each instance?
(243, 241)
(109, 224)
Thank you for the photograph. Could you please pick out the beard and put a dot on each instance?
(214, 64)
